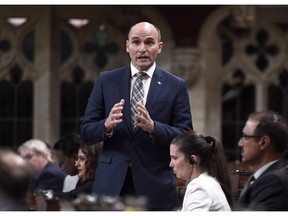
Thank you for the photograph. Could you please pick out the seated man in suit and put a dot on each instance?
(49, 175)
(264, 140)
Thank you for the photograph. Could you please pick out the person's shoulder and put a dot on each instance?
(274, 177)
(54, 168)
(275, 168)
(282, 172)
(89, 182)
(116, 70)
(199, 186)
(51, 165)
(206, 179)
(168, 74)
(200, 181)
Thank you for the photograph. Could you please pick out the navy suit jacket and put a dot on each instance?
(269, 192)
(168, 105)
(51, 177)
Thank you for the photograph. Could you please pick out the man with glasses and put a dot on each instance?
(264, 140)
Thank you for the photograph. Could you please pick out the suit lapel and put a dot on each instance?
(156, 86)
(124, 92)
(245, 194)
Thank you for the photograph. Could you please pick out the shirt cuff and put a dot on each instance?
(108, 135)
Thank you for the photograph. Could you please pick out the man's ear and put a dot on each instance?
(160, 47)
(127, 44)
(264, 142)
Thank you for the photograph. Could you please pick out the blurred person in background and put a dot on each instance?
(86, 163)
(53, 157)
(49, 176)
(16, 176)
(66, 149)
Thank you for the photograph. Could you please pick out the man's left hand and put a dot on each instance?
(144, 120)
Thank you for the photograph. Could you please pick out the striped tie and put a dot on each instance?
(137, 94)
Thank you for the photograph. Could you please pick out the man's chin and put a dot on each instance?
(144, 65)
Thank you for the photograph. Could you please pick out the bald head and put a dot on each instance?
(143, 45)
(145, 26)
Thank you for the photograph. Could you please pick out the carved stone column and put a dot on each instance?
(186, 64)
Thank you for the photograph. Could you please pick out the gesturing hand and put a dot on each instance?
(144, 120)
(115, 116)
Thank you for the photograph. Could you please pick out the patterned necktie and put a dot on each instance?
(137, 94)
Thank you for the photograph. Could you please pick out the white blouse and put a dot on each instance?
(70, 183)
(205, 194)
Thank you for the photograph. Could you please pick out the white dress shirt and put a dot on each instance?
(146, 82)
(262, 169)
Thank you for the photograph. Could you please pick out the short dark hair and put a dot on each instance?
(69, 144)
(273, 125)
(212, 157)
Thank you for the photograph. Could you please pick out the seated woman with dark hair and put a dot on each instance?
(200, 160)
(86, 164)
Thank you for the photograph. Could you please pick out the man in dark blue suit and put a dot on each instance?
(263, 142)
(135, 158)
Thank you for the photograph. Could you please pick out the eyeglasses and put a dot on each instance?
(245, 137)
